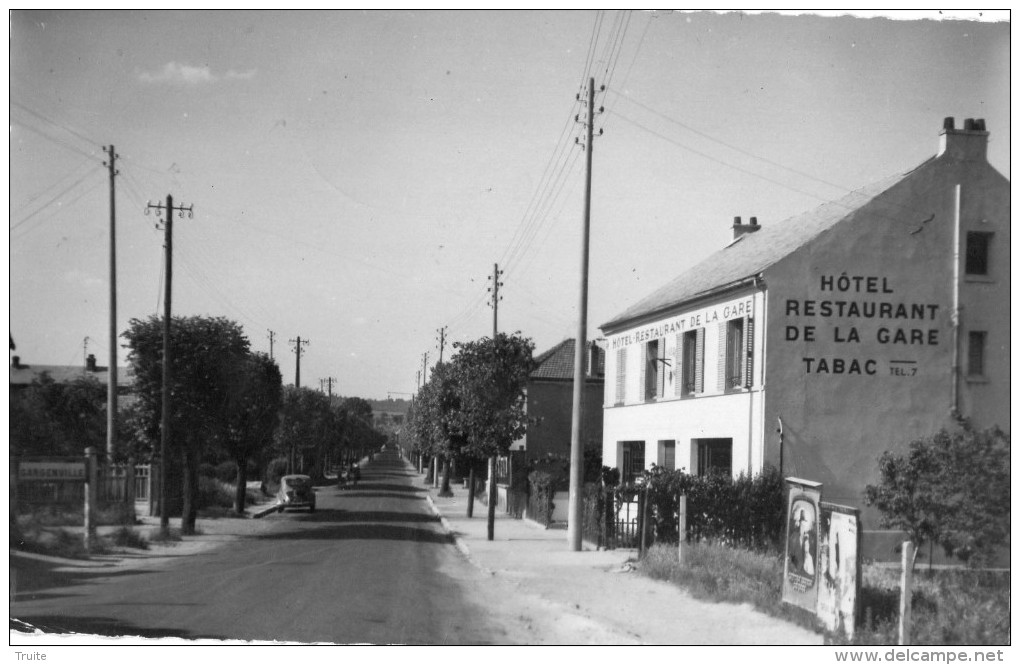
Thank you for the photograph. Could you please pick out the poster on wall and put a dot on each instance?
(800, 569)
(839, 567)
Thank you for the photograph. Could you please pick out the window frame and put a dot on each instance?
(978, 256)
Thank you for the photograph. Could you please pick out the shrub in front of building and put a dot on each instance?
(746, 511)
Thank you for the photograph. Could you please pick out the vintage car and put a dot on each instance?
(296, 491)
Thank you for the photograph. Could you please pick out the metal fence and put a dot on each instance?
(612, 516)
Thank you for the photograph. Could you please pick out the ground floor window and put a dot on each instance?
(714, 456)
(633, 461)
(667, 455)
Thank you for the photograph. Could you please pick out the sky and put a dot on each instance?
(355, 176)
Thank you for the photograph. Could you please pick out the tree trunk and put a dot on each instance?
(445, 490)
(471, 490)
(242, 486)
(492, 498)
(189, 511)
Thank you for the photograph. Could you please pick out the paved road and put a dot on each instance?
(371, 565)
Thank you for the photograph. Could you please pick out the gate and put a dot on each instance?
(612, 516)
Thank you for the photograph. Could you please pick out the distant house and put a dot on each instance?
(550, 398)
(22, 376)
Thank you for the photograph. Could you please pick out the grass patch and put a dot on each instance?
(949, 607)
(112, 514)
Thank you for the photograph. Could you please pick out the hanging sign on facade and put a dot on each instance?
(839, 568)
(800, 569)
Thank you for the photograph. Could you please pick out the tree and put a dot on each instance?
(253, 412)
(307, 427)
(438, 417)
(951, 489)
(205, 352)
(492, 379)
(51, 418)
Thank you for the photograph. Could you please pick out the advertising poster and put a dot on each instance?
(800, 571)
(838, 570)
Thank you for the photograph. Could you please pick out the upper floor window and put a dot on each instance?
(734, 354)
(978, 245)
(693, 363)
(654, 369)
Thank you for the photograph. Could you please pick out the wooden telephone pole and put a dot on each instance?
(575, 507)
(164, 445)
(111, 385)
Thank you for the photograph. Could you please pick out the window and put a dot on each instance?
(715, 456)
(978, 243)
(693, 374)
(633, 461)
(667, 455)
(976, 353)
(734, 354)
(621, 375)
(654, 384)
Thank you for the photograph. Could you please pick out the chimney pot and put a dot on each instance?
(16, 362)
(979, 124)
(949, 123)
(968, 124)
(736, 221)
(754, 221)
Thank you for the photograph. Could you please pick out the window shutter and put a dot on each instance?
(748, 378)
(721, 368)
(621, 374)
(678, 369)
(644, 373)
(699, 362)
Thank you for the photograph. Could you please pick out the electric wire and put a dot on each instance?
(65, 127)
(46, 205)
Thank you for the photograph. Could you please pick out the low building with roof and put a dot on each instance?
(24, 375)
(817, 343)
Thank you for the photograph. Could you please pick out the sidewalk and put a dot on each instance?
(593, 594)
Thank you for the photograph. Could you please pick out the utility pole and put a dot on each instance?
(575, 507)
(417, 381)
(111, 384)
(272, 336)
(164, 445)
(328, 381)
(425, 368)
(491, 517)
(442, 342)
(297, 350)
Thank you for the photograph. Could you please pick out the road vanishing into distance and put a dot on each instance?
(372, 564)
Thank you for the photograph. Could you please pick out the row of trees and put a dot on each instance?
(473, 408)
(228, 404)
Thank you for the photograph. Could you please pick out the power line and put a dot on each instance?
(65, 127)
(26, 218)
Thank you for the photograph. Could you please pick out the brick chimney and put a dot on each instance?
(740, 229)
(90, 363)
(16, 362)
(969, 144)
(593, 360)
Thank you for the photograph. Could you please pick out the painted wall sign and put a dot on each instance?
(800, 568)
(682, 323)
(62, 471)
(866, 327)
(839, 575)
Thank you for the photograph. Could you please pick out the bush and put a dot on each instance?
(128, 537)
(541, 488)
(226, 471)
(747, 511)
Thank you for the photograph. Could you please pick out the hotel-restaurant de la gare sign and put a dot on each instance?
(859, 311)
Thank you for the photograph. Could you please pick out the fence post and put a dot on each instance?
(91, 491)
(681, 507)
(154, 491)
(129, 482)
(906, 592)
(642, 520)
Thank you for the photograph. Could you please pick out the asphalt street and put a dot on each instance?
(371, 565)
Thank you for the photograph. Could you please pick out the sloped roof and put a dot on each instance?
(558, 363)
(23, 375)
(752, 253)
